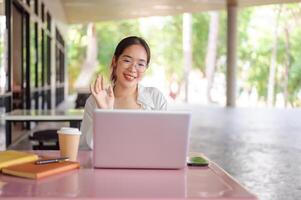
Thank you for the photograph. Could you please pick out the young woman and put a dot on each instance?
(130, 61)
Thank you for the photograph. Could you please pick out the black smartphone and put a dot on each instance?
(197, 161)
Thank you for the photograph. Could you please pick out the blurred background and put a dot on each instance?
(189, 52)
(268, 54)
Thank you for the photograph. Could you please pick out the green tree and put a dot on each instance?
(76, 52)
(200, 30)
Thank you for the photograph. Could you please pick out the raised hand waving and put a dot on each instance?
(104, 97)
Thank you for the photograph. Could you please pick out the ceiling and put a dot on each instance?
(83, 11)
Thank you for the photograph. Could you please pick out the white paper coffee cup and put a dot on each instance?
(69, 142)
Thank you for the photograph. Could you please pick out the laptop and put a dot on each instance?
(140, 139)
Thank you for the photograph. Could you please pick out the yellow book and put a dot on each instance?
(10, 158)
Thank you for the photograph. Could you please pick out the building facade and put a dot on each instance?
(32, 54)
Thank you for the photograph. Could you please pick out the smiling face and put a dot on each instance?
(130, 66)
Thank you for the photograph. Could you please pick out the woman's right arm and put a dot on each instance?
(87, 124)
(104, 98)
(101, 98)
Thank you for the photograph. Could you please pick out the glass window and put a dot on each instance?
(33, 54)
(40, 82)
(3, 64)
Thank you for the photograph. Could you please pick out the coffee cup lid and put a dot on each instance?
(69, 130)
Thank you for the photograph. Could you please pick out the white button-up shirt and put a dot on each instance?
(149, 98)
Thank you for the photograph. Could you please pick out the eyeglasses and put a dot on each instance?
(140, 65)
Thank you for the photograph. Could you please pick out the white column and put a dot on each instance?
(231, 53)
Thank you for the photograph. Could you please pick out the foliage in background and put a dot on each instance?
(255, 50)
(200, 31)
(108, 35)
(294, 84)
(2, 29)
(76, 52)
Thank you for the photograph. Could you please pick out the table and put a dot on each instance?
(73, 116)
(87, 183)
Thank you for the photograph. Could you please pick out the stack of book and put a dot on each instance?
(23, 164)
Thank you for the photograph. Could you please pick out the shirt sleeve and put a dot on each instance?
(86, 140)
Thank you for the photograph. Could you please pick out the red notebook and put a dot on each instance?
(34, 171)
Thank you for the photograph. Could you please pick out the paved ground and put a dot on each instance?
(261, 148)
